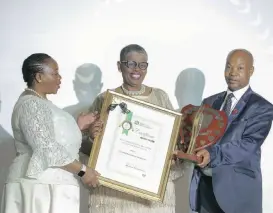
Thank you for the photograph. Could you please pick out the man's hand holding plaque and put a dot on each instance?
(202, 126)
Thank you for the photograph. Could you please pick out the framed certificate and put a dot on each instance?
(134, 152)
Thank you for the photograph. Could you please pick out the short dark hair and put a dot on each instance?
(32, 65)
(131, 48)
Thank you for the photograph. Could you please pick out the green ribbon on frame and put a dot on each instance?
(127, 121)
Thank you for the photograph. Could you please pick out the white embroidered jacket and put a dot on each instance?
(46, 137)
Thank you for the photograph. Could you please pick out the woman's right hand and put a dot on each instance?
(90, 177)
(95, 128)
(84, 120)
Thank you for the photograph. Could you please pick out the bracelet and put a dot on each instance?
(83, 170)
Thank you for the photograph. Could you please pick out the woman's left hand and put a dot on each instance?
(86, 119)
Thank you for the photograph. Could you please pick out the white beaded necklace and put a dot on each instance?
(134, 93)
(32, 90)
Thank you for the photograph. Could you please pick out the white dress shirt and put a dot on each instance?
(237, 96)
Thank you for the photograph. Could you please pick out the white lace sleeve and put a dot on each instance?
(36, 123)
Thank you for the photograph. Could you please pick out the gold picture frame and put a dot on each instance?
(138, 174)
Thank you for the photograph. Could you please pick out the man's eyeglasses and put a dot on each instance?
(133, 64)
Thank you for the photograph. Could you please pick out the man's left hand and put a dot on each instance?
(205, 156)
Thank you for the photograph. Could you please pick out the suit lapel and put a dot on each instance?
(240, 105)
(237, 109)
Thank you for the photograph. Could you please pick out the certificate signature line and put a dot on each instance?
(134, 167)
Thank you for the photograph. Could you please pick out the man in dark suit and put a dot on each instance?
(229, 178)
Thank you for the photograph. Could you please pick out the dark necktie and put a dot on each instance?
(228, 103)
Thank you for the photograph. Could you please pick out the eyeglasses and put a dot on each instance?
(133, 64)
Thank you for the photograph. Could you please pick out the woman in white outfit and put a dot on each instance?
(43, 177)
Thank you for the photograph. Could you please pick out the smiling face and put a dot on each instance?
(239, 69)
(133, 76)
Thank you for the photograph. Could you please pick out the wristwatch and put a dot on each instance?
(83, 170)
